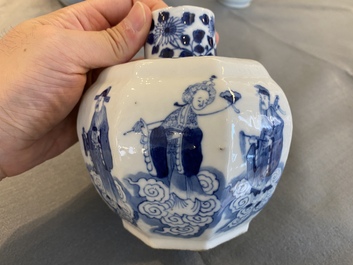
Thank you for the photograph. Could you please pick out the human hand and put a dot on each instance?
(44, 68)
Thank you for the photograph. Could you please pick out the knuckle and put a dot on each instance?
(118, 39)
(122, 39)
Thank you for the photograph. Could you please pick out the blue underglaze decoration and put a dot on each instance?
(247, 194)
(188, 18)
(178, 206)
(168, 36)
(242, 200)
(177, 195)
(97, 147)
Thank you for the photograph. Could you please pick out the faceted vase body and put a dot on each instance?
(187, 151)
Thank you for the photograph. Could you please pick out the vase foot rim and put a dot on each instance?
(194, 244)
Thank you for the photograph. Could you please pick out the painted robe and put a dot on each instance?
(263, 157)
(99, 149)
(176, 152)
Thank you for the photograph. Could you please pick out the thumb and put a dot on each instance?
(114, 45)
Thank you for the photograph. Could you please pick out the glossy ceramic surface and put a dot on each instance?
(181, 32)
(186, 160)
(187, 151)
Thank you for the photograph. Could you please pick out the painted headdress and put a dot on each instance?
(104, 94)
(208, 86)
(262, 90)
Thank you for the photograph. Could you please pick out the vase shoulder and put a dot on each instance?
(187, 67)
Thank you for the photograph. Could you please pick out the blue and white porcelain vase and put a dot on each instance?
(187, 148)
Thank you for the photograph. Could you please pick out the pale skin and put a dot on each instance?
(45, 64)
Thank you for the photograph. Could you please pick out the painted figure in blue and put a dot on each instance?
(178, 192)
(96, 143)
(265, 150)
(174, 146)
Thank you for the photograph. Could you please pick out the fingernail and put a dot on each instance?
(137, 16)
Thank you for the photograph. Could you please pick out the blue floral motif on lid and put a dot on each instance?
(186, 54)
(163, 17)
(185, 39)
(199, 49)
(169, 29)
(170, 36)
(211, 26)
(188, 18)
(205, 19)
(167, 53)
(198, 35)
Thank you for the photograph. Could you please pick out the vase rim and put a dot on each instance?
(183, 7)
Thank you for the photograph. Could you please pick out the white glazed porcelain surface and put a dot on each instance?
(178, 211)
(181, 31)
